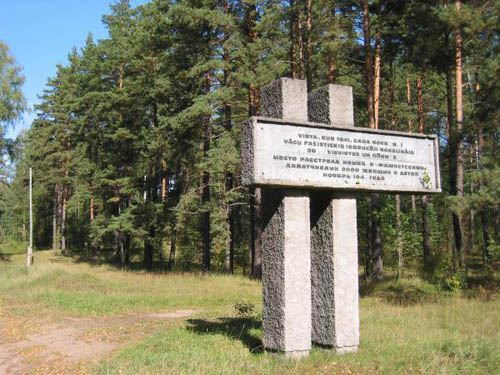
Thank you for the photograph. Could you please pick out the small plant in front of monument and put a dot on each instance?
(244, 309)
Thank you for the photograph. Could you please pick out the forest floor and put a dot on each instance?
(65, 316)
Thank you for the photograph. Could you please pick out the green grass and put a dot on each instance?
(59, 284)
(406, 327)
(9, 247)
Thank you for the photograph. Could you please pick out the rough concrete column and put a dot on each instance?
(286, 240)
(334, 241)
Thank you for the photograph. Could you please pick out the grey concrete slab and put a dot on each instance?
(286, 271)
(285, 98)
(311, 156)
(334, 241)
(285, 240)
(332, 104)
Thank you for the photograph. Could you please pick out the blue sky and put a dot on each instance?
(41, 33)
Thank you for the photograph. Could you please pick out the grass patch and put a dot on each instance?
(57, 283)
(403, 292)
(406, 326)
(10, 247)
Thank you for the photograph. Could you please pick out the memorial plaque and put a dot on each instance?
(288, 153)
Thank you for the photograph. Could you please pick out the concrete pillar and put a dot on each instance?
(286, 275)
(334, 241)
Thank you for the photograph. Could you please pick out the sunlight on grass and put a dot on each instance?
(406, 327)
(13, 247)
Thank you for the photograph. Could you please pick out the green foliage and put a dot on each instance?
(12, 101)
(11, 246)
(494, 249)
(137, 135)
(447, 278)
(244, 308)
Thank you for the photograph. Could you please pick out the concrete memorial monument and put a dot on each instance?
(309, 160)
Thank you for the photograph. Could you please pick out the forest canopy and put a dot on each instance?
(135, 147)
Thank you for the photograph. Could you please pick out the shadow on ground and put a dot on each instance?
(235, 328)
(5, 258)
(109, 258)
(399, 293)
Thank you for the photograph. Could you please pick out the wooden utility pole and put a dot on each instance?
(29, 260)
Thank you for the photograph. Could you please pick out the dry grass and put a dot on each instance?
(438, 333)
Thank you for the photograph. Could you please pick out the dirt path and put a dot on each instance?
(69, 342)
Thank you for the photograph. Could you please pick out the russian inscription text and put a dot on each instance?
(287, 154)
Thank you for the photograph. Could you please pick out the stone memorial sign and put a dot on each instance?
(307, 172)
(311, 155)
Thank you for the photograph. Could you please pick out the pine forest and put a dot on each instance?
(135, 149)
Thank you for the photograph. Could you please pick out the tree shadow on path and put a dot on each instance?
(235, 328)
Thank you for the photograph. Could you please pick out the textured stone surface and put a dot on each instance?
(334, 241)
(286, 270)
(285, 98)
(334, 271)
(297, 271)
(247, 154)
(332, 104)
(345, 266)
(273, 269)
(322, 272)
(286, 241)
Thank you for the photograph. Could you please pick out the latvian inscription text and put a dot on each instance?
(294, 155)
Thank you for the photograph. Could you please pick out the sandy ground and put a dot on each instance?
(68, 343)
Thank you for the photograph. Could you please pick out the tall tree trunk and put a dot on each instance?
(92, 211)
(173, 245)
(426, 247)
(452, 157)
(376, 232)
(368, 66)
(150, 196)
(376, 239)
(420, 105)
(229, 267)
(479, 143)
(255, 193)
(149, 249)
(293, 43)
(410, 129)
(482, 210)
(253, 91)
(54, 221)
(408, 103)
(332, 68)
(63, 223)
(164, 177)
(206, 262)
(308, 44)
(228, 125)
(228, 252)
(376, 88)
(485, 235)
(471, 237)
(256, 233)
(400, 236)
(426, 243)
(459, 100)
(300, 41)
(127, 241)
(60, 209)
